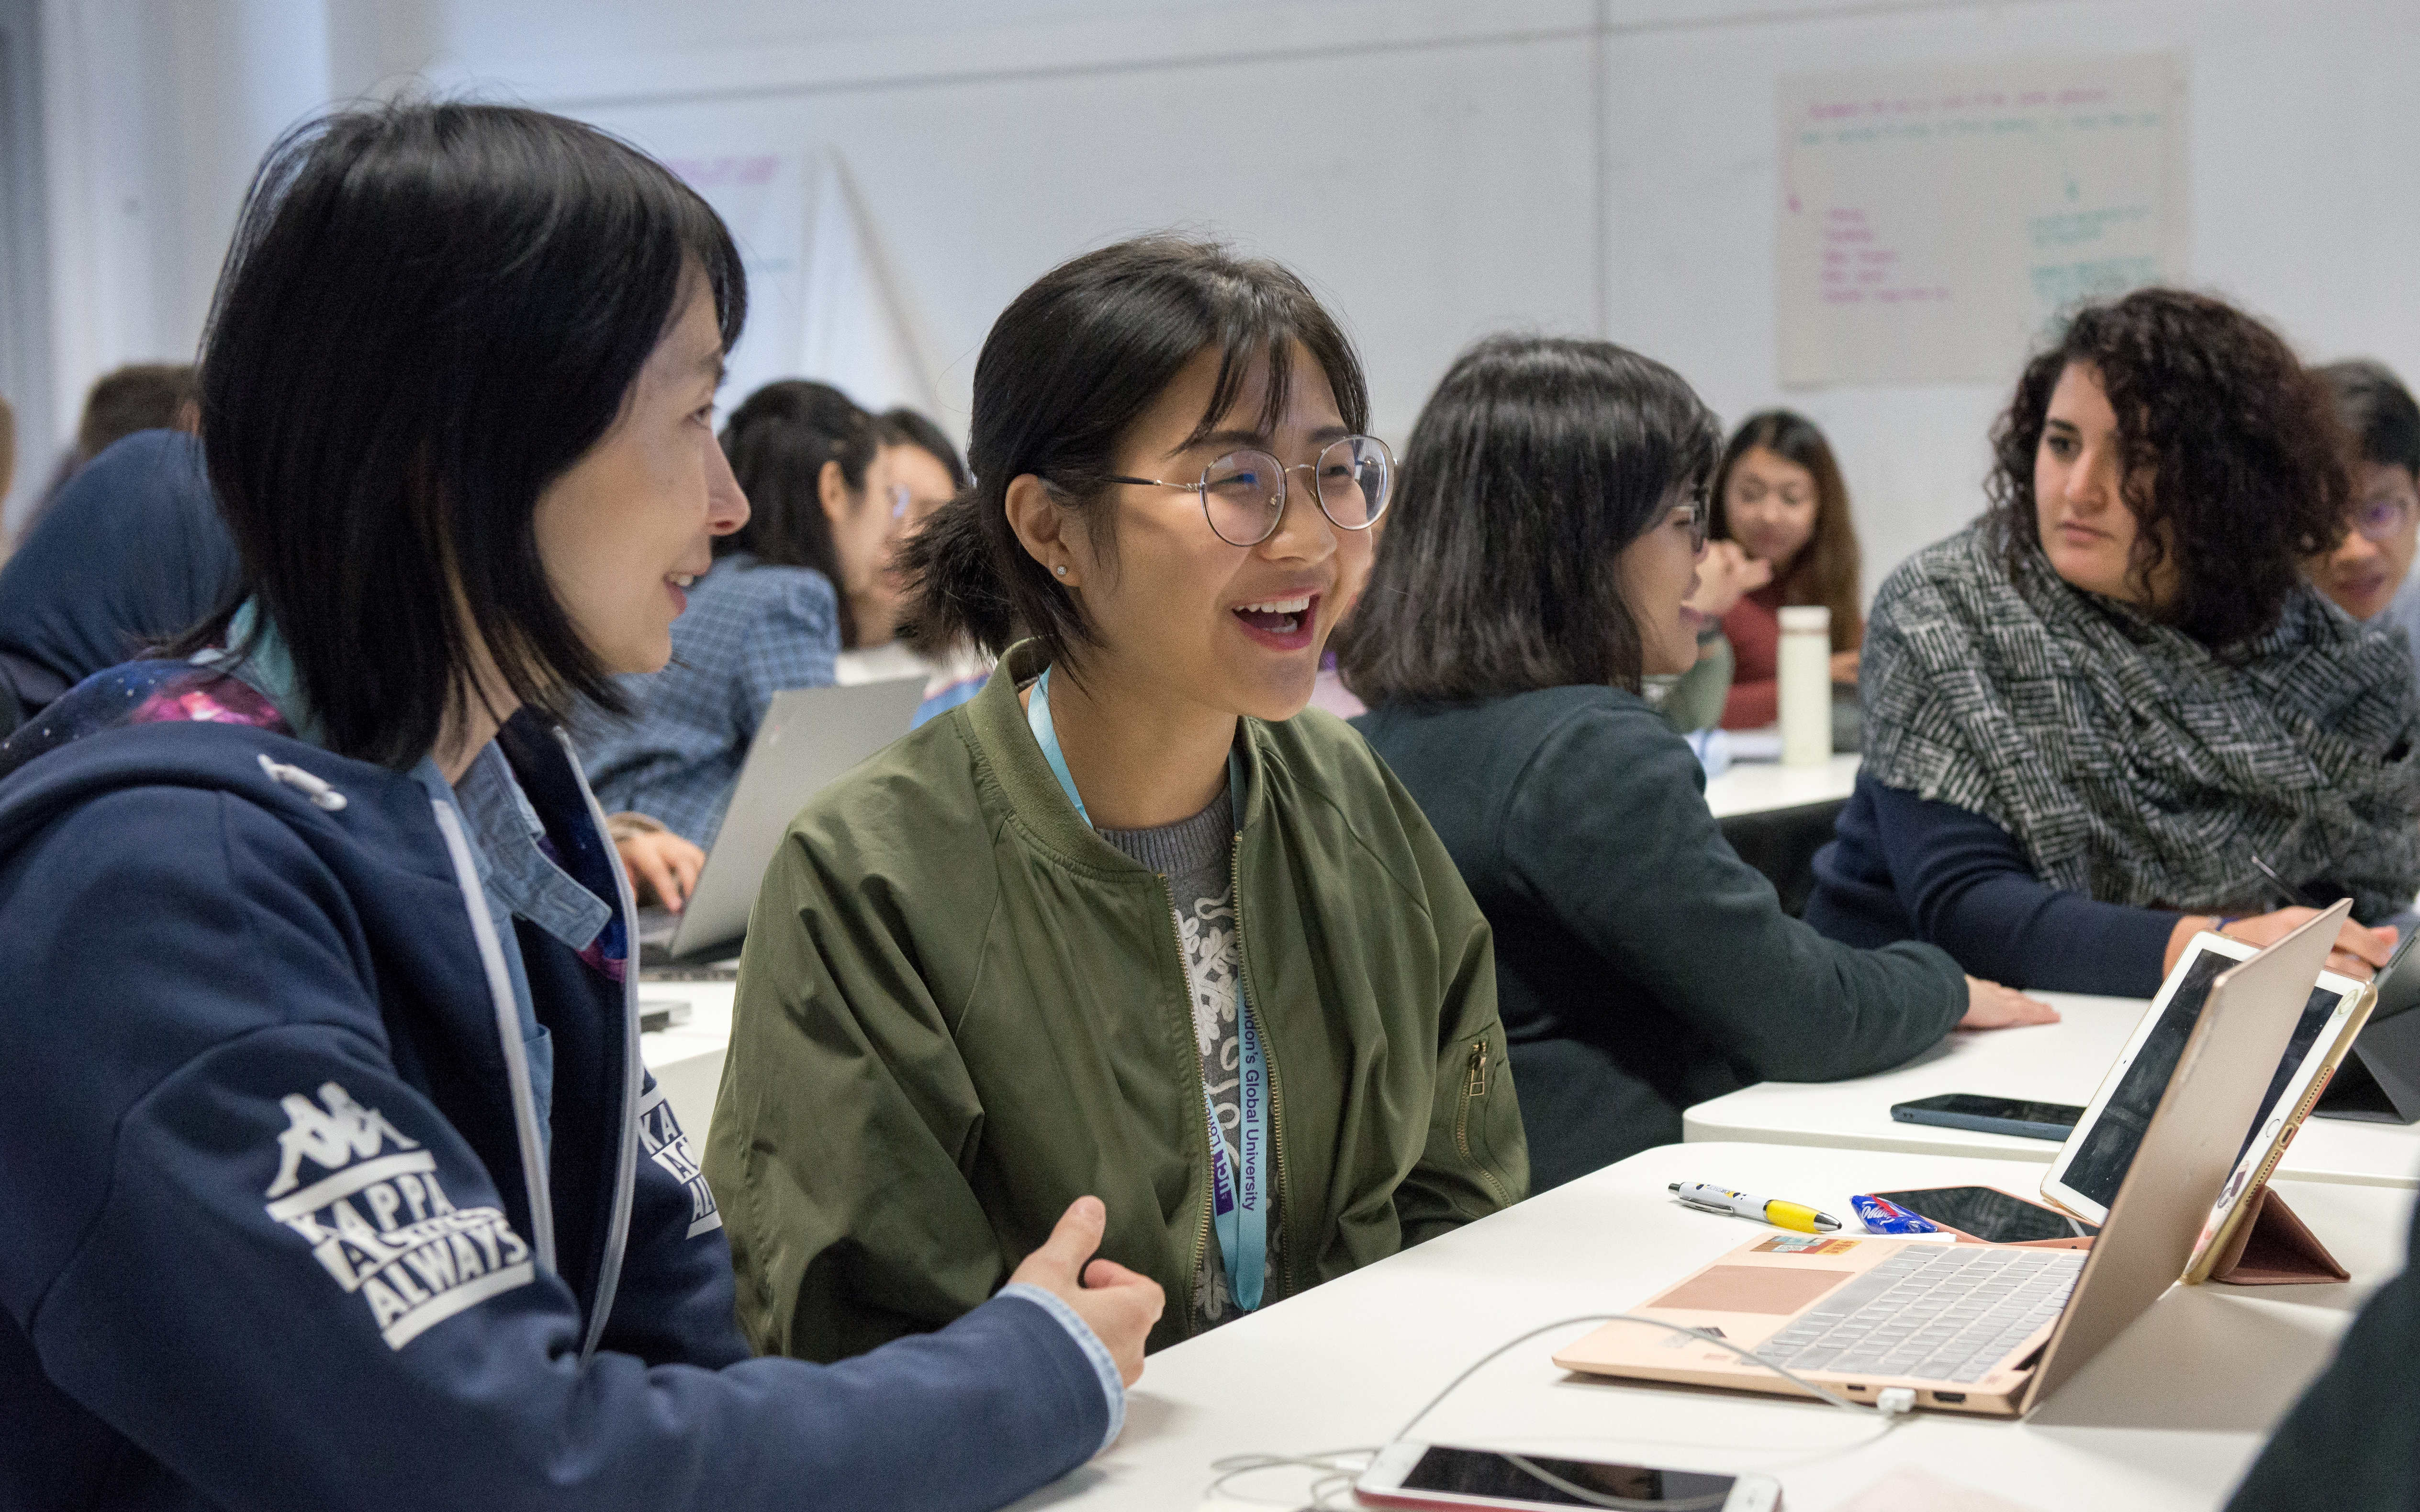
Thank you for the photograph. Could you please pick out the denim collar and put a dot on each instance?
(507, 840)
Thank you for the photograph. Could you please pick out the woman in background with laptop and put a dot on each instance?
(1130, 922)
(2112, 713)
(767, 618)
(1536, 568)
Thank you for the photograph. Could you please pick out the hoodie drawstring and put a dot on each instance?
(322, 797)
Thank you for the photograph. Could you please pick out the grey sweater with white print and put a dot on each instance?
(1196, 857)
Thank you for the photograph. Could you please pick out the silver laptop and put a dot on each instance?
(1989, 1329)
(810, 736)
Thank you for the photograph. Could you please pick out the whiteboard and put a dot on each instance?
(1937, 222)
(762, 197)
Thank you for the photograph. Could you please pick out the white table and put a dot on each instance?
(2061, 1062)
(1758, 787)
(687, 1059)
(2168, 1415)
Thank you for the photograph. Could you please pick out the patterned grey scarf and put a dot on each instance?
(2128, 762)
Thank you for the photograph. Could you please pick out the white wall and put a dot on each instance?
(1437, 169)
(153, 114)
(2305, 201)
(26, 372)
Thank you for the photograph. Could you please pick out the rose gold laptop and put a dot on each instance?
(1988, 1327)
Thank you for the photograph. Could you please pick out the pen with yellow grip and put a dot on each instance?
(1780, 1215)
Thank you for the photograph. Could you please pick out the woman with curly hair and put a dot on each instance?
(2098, 718)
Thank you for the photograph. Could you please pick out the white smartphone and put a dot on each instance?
(1438, 1476)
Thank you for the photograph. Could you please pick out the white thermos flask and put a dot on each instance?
(1805, 673)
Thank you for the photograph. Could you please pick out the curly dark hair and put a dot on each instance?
(2234, 456)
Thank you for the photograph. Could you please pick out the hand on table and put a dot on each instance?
(662, 866)
(1991, 1006)
(2360, 951)
(1117, 1304)
(1726, 574)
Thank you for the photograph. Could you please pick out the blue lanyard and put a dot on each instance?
(1239, 1201)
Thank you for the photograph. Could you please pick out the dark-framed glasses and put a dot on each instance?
(1700, 508)
(1244, 492)
(2380, 518)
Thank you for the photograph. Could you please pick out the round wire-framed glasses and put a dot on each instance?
(1244, 492)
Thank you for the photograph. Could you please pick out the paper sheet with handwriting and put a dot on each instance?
(1935, 221)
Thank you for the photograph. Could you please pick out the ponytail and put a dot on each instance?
(956, 585)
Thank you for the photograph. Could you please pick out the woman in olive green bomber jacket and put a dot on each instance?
(1134, 892)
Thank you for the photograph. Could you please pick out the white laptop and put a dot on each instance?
(810, 736)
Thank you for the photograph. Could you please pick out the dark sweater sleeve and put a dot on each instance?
(1968, 887)
(1607, 831)
(2348, 1444)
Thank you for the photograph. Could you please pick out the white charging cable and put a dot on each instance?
(1336, 1474)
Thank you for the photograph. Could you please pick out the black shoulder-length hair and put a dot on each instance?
(1068, 367)
(778, 441)
(1534, 464)
(2233, 455)
(430, 311)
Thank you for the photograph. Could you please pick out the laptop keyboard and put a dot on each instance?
(1946, 1312)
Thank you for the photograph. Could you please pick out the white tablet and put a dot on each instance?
(2091, 1164)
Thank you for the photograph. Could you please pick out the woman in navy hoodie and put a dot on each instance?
(331, 1175)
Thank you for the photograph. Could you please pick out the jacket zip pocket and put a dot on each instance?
(1474, 1087)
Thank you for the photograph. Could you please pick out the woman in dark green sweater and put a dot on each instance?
(1547, 531)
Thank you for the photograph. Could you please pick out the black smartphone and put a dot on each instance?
(2053, 1121)
(1989, 1214)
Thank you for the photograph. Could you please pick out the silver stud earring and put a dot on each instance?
(1061, 571)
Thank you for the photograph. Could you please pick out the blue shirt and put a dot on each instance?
(749, 633)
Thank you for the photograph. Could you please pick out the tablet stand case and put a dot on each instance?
(2275, 1249)
(2378, 1082)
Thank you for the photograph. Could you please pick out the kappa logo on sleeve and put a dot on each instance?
(382, 1225)
(667, 1143)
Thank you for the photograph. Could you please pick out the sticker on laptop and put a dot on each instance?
(1806, 1244)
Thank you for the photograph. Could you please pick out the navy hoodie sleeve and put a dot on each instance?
(2347, 1446)
(268, 1265)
